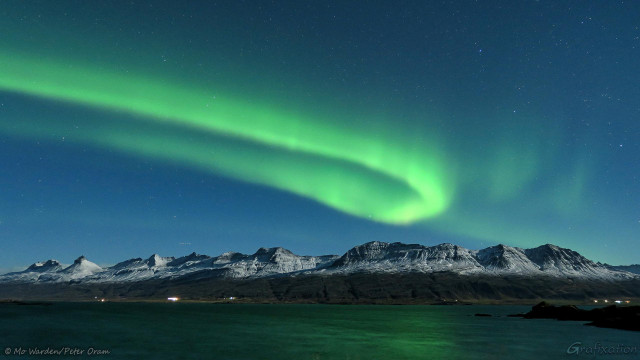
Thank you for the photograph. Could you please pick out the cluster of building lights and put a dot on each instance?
(606, 301)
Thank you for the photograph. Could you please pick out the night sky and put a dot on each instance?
(129, 128)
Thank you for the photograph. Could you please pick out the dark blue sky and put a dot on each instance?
(502, 122)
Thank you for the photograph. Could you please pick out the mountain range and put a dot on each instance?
(370, 258)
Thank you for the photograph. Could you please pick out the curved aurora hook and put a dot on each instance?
(386, 181)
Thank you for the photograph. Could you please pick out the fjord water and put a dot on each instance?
(252, 331)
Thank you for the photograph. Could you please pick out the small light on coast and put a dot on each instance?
(173, 299)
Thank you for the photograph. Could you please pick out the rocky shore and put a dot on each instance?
(617, 317)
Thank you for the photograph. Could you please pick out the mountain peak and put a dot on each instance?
(274, 254)
(189, 259)
(45, 266)
(272, 250)
(157, 260)
(503, 257)
(552, 258)
(373, 245)
(81, 268)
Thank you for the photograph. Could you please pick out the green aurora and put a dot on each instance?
(382, 175)
(375, 173)
(473, 149)
(344, 168)
(472, 137)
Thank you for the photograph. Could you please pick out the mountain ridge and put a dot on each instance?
(371, 257)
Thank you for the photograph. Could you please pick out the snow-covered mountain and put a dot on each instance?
(503, 258)
(34, 272)
(372, 257)
(385, 257)
(81, 268)
(547, 260)
(635, 268)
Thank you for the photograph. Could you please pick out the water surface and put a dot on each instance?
(247, 331)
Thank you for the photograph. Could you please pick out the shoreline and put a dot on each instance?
(531, 302)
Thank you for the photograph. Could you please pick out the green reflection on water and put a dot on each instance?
(236, 331)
